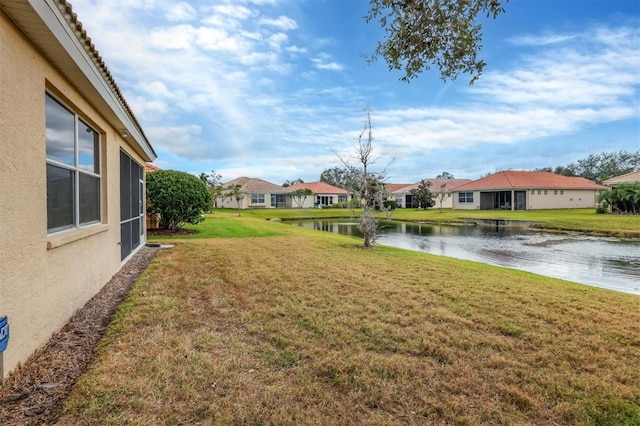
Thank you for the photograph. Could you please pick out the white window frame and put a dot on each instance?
(257, 198)
(465, 197)
(77, 170)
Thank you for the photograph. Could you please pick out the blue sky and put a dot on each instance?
(274, 88)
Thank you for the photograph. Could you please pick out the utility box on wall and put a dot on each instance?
(4, 342)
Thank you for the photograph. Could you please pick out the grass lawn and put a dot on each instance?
(302, 327)
(584, 220)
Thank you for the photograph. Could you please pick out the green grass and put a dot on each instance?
(219, 226)
(309, 328)
(581, 220)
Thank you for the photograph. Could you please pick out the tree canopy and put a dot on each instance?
(445, 175)
(600, 167)
(347, 177)
(422, 196)
(292, 182)
(420, 34)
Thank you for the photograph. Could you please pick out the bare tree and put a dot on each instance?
(382, 194)
(367, 223)
(234, 193)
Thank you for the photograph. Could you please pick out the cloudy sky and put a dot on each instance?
(274, 88)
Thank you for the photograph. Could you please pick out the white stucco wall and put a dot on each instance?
(46, 278)
(456, 204)
(553, 199)
(561, 199)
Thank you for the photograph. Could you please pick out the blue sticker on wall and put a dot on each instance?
(4, 333)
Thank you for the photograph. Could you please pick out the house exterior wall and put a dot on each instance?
(245, 203)
(475, 205)
(553, 199)
(46, 278)
(561, 199)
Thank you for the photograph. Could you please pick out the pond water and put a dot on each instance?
(603, 262)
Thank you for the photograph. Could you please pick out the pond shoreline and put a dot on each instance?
(532, 225)
(582, 257)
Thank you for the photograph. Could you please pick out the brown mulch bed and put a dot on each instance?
(34, 393)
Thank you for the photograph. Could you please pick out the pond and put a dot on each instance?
(603, 262)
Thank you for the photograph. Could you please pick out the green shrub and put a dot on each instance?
(353, 203)
(602, 210)
(390, 204)
(178, 197)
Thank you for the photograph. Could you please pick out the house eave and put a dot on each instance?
(63, 48)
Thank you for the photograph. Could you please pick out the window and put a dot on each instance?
(342, 198)
(257, 198)
(545, 192)
(555, 192)
(465, 197)
(324, 200)
(539, 191)
(562, 192)
(73, 169)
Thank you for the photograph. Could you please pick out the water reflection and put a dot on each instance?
(604, 262)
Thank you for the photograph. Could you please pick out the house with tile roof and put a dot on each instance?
(441, 189)
(633, 177)
(148, 168)
(72, 172)
(526, 190)
(255, 193)
(324, 194)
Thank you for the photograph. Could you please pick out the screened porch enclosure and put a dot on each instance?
(503, 200)
(131, 205)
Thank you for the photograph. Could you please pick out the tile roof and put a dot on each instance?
(255, 185)
(524, 179)
(318, 188)
(395, 187)
(148, 167)
(632, 177)
(435, 185)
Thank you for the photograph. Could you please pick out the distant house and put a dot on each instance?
(523, 190)
(324, 195)
(148, 167)
(402, 192)
(72, 171)
(256, 193)
(633, 177)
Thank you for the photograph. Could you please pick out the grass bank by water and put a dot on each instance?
(579, 220)
(300, 327)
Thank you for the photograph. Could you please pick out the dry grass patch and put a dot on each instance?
(307, 329)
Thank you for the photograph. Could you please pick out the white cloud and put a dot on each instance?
(180, 11)
(323, 62)
(234, 11)
(541, 40)
(177, 37)
(277, 40)
(283, 23)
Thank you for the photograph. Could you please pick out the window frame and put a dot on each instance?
(465, 197)
(256, 197)
(78, 171)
